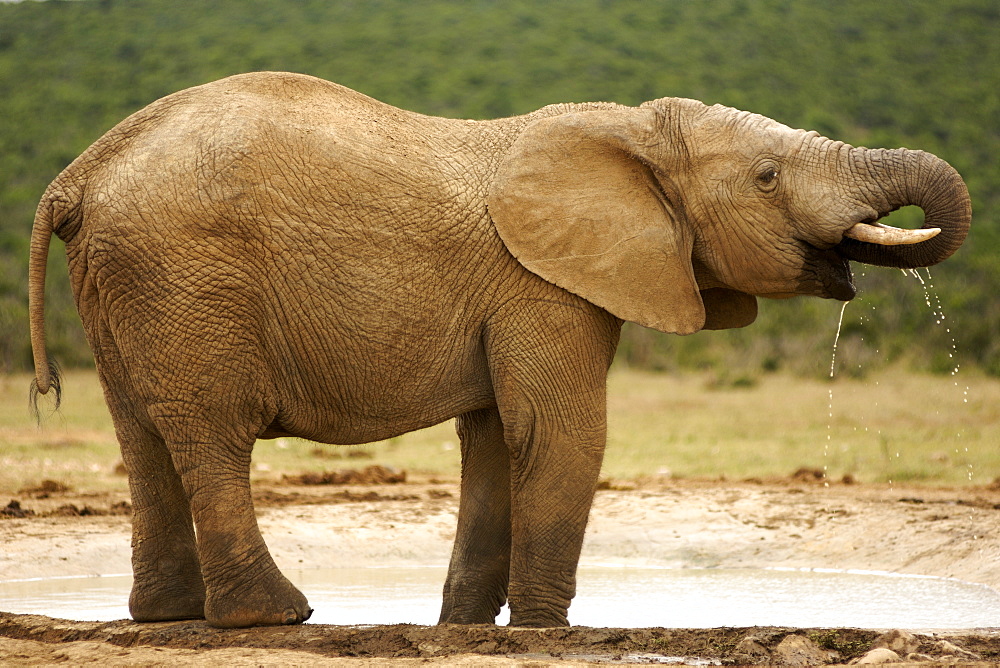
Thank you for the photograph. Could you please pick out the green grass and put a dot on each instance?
(894, 427)
(75, 445)
(897, 427)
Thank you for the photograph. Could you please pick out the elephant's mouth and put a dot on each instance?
(827, 274)
(828, 271)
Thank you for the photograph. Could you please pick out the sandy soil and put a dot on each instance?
(797, 522)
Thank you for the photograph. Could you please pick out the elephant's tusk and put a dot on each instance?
(886, 235)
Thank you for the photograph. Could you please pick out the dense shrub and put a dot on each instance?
(919, 73)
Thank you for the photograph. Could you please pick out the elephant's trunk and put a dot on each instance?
(896, 178)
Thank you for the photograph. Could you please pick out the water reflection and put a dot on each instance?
(608, 596)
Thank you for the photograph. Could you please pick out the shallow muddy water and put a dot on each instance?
(607, 597)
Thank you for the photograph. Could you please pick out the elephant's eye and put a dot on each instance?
(767, 179)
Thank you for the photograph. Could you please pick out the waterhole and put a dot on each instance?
(607, 597)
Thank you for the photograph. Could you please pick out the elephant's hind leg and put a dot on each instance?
(212, 455)
(197, 372)
(167, 582)
(476, 587)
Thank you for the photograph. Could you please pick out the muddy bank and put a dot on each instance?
(27, 639)
(945, 532)
(794, 522)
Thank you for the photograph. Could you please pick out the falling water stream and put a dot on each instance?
(933, 302)
(829, 424)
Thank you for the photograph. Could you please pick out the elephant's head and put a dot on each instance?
(677, 216)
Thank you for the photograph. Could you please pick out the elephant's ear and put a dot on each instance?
(575, 202)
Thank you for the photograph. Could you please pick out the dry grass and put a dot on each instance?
(894, 427)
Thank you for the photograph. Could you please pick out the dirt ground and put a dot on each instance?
(794, 522)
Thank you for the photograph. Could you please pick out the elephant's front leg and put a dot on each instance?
(476, 587)
(549, 373)
(555, 467)
(553, 408)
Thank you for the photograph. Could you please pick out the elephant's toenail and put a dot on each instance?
(291, 616)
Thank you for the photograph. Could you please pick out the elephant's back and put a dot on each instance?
(283, 97)
(297, 180)
(242, 113)
(263, 117)
(270, 96)
(254, 153)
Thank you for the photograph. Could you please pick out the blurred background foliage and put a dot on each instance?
(917, 73)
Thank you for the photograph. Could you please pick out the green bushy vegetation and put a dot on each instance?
(917, 73)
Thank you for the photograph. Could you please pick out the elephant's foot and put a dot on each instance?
(538, 619)
(468, 617)
(473, 601)
(269, 600)
(167, 598)
(538, 615)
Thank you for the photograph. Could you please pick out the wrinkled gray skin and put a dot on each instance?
(273, 254)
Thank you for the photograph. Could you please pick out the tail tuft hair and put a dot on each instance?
(55, 383)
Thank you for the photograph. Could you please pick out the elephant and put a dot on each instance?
(272, 254)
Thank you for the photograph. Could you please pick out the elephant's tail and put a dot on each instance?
(55, 211)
